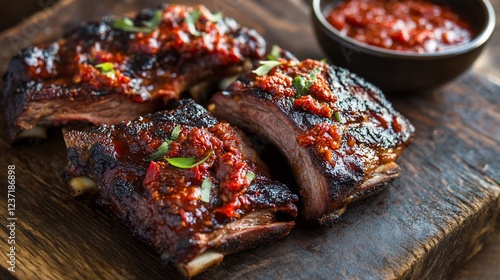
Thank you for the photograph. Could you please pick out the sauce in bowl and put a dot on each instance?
(402, 25)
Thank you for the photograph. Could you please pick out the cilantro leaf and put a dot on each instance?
(153, 23)
(301, 85)
(127, 24)
(187, 163)
(191, 21)
(336, 117)
(250, 176)
(275, 53)
(213, 17)
(176, 132)
(165, 146)
(160, 152)
(313, 73)
(266, 66)
(206, 187)
(106, 68)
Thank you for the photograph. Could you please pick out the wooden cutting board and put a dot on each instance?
(439, 213)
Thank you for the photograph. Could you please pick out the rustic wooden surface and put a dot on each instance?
(442, 210)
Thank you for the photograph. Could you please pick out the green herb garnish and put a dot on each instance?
(106, 68)
(336, 117)
(153, 23)
(301, 85)
(250, 176)
(206, 187)
(194, 17)
(187, 163)
(275, 53)
(176, 132)
(161, 152)
(165, 146)
(266, 66)
(213, 17)
(313, 73)
(127, 24)
(191, 21)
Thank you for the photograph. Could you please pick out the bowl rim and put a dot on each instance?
(481, 38)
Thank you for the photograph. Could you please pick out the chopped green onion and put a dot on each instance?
(176, 132)
(313, 73)
(250, 176)
(194, 17)
(191, 21)
(127, 24)
(165, 146)
(266, 66)
(160, 152)
(301, 85)
(213, 17)
(275, 53)
(107, 68)
(187, 163)
(336, 117)
(153, 23)
(206, 187)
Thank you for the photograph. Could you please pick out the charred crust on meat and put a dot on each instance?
(161, 203)
(336, 130)
(188, 113)
(58, 83)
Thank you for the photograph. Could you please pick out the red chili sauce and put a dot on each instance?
(403, 25)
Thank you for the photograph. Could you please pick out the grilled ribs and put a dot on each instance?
(338, 132)
(115, 69)
(193, 212)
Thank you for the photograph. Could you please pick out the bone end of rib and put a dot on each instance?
(381, 175)
(201, 263)
(83, 187)
(38, 131)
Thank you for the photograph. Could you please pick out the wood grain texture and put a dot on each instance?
(426, 224)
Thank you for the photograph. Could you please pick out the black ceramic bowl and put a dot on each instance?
(396, 71)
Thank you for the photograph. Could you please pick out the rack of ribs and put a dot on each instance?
(182, 181)
(339, 133)
(116, 69)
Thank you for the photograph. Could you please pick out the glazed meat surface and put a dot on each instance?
(182, 181)
(339, 133)
(116, 69)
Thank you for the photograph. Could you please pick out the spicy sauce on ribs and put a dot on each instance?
(221, 201)
(338, 132)
(120, 68)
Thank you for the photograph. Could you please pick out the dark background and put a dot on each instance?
(13, 12)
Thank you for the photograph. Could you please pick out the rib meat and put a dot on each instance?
(338, 132)
(162, 203)
(116, 69)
